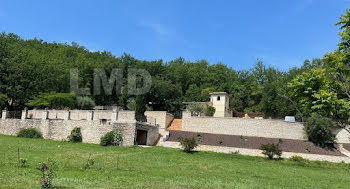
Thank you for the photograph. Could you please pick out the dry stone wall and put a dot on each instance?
(244, 127)
(253, 127)
(92, 130)
(161, 118)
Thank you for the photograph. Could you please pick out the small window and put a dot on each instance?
(218, 98)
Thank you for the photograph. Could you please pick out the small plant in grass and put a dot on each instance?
(75, 135)
(47, 173)
(112, 138)
(297, 159)
(29, 133)
(23, 162)
(89, 163)
(188, 144)
(271, 150)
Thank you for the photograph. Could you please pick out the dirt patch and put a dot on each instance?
(288, 145)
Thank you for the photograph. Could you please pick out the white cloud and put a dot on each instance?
(165, 34)
(158, 28)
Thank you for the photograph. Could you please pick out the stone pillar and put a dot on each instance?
(24, 114)
(114, 115)
(44, 115)
(67, 115)
(4, 114)
(186, 114)
(90, 115)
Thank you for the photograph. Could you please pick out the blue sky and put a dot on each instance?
(236, 33)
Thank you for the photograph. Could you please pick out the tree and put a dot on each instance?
(54, 101)
(193, 94)
(3, 101)
(85, 103)
(313, 92)
(140, 106)
(196, 109)
(205, 94)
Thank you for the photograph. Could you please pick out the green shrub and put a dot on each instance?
(75, 135)
(188, 144)
(318, 130)
(112, 138)
(54, 100)
(210, 111)
(47, 173)
(85, 103)
(271, 150)
(297, 159)
(29, 133)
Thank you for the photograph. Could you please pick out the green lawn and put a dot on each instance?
(158, 167)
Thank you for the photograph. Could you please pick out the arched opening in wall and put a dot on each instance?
(218, 98)
(141, 137)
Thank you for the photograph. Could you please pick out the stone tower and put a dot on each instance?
(220, 101)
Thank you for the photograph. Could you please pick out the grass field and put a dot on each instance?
(158, 167)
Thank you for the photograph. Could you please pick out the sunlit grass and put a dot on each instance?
(159, 167)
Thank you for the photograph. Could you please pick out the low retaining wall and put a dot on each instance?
(253, 127)
(92, 130)
(245, 127)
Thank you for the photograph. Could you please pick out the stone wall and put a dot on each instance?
(244, 127)
(253, 127)
(57, 124)
(161, 118)
(152, 132)
(73, 114)
(92, 130)
(342, 135)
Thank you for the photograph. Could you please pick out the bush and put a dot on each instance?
(271, 150)
(47, 173)
(85, 103)
(29, 133)
(210, 111)
(188, 144)
(318, 130)
(113, 138)
(75, 135)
